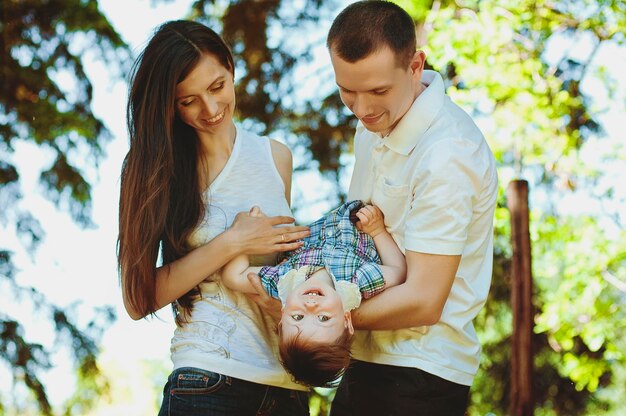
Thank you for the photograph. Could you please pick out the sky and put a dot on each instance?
(78, 267)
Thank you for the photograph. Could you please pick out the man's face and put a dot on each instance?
(376, 89)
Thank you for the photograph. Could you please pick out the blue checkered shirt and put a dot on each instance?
(335, 244)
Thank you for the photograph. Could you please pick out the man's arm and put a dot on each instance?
(416, 302)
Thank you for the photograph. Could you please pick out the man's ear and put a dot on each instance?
(348, 323)
(417, 63)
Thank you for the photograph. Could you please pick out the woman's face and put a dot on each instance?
(205, 99)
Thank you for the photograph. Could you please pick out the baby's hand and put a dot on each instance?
(371, 220)
(255, 211)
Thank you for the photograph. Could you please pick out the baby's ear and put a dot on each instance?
(348, 318)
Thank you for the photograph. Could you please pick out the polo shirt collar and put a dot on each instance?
(404, 137)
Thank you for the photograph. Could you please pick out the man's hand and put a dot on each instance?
(371, 220)
(270, 305)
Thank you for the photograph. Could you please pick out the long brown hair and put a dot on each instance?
(160, 198)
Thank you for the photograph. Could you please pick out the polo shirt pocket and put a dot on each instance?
(394, 191)
(393, 201)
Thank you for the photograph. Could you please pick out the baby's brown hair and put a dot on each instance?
(316, 364)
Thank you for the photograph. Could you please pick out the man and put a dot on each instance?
(424, 163)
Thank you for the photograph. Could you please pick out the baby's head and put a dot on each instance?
(315, 332)
(317, 364)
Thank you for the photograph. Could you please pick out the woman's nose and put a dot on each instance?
(209, 105)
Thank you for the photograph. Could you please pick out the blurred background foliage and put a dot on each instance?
(516, 66)
(39, 41)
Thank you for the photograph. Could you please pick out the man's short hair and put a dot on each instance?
(314, 364)
(364, 27)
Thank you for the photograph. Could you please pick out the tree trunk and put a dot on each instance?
(521, 301)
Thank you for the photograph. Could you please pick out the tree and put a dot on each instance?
(40, 44)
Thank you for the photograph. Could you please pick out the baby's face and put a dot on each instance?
(315, 311)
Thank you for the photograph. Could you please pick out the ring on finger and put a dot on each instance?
(282, 236)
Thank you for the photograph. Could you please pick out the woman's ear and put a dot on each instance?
(348, 318)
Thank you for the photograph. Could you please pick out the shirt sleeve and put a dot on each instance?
(269, 279)
(370, 279)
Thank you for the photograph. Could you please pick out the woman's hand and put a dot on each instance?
(255, 234)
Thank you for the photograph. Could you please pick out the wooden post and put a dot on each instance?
(521, 301)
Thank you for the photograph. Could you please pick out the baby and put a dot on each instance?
(349, 255)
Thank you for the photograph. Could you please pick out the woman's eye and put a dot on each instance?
(186, 103)
(297, 317)
(217, 87)
(323, 318)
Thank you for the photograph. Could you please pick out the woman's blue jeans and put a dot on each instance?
(192, 391)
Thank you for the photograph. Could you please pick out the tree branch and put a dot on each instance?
(614, 281)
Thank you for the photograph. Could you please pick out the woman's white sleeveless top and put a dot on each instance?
(226, 332)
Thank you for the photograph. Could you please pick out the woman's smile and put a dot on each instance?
(217, 119)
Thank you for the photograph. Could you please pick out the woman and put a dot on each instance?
(188, 175)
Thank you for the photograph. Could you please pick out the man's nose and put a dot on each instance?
(360, 106)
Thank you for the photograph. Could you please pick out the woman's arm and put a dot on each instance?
(247, 235)
(284, 165)
(394, 264)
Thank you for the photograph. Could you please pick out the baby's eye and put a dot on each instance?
(323, 318)
(297, 317)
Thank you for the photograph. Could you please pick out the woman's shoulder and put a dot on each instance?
(280, 152)
(283, 162)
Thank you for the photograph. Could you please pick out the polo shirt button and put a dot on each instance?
(329, 233)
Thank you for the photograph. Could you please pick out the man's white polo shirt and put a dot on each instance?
(434, 178)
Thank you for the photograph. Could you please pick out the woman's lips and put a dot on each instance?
(217, 119)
